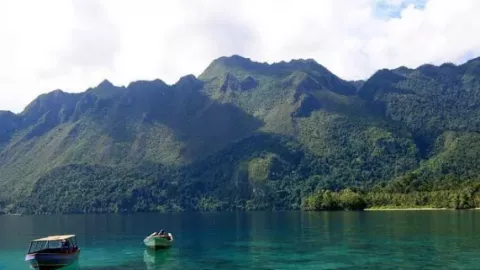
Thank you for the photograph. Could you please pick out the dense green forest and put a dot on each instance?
(399, 194)
(249, 136)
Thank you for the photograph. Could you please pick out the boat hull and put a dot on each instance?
(158, 242)
(46, 261)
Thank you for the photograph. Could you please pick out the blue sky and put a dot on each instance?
(75, 44)
(387, 9)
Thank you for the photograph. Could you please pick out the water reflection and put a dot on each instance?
(154, 259)
(73, 266)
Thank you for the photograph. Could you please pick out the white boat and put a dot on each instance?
(156, 241)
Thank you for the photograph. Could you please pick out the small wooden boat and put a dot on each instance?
(156, 241)
(53, 252)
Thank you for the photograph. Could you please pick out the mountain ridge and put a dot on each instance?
(241, 135)
(236, 56)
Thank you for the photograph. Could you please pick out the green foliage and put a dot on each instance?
(258, 168)
(327, 200)
(429, 100)
(249, 136)
(460, 195)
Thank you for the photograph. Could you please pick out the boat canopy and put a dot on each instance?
(54, 238)
(54, 242)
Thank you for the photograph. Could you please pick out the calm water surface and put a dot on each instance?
(259, 240)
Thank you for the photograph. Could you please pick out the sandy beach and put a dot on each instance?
(407, 209)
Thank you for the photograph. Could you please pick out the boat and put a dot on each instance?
(156, 241)
(53, 252)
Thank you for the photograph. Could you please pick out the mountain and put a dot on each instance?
(242, 136)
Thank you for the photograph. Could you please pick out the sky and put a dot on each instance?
(75, 44)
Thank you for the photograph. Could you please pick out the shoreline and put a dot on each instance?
(373, 209)
(409, 209)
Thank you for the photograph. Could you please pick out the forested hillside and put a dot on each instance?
(247, 136)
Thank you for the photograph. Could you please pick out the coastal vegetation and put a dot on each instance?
(460, 196)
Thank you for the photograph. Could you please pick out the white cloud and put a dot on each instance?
(74, 44)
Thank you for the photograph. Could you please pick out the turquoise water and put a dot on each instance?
(259, 240)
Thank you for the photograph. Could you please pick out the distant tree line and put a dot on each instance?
(451, 195)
